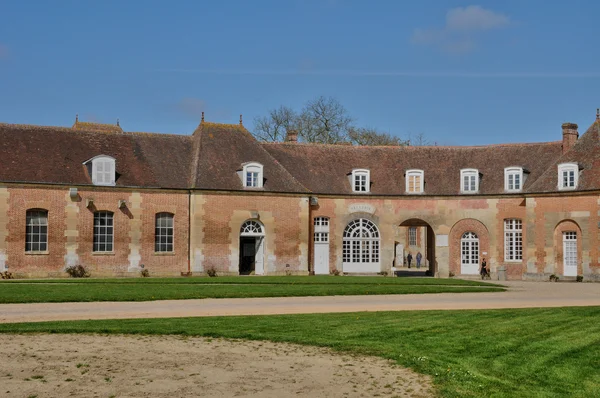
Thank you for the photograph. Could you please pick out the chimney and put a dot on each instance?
(291, 136)
(570, 136)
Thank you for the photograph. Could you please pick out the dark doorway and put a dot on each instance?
(247, 255)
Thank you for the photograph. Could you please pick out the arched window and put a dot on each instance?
(568, 176)
(36, 230)
(469, 261)
(469, 180)
(361, 180)
(103, 231)
(163, 233)
(252, 175)
(513, 179)
(360, 246)
(414, 181)
(252, 228)
(102, 170)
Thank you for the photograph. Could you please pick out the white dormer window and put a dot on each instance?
(361, 180)
(103, 170)
(469, 180)
(252, 175)
(513, 179)
(414, 181)
(568, 175)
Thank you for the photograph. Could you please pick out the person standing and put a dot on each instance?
(409, 259)
(483, 271)
(419, 257)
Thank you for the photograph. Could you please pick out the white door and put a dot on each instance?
(570, 253)
(259, 259)
(322, 253)
(321, 245)
(469, 254)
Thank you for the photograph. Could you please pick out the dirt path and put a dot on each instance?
(519, 295)
(173, 367)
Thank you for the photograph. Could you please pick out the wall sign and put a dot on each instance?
(361, 208)
(441, 240)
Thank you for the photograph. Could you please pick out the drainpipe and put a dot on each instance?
(311, 236)
(189, 231)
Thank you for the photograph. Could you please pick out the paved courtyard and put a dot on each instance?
(519, 295)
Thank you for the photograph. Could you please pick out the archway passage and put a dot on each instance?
(252, 238)
(417, 239)
(360, 249)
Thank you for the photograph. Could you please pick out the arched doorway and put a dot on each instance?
(469, 254)
(416, 236)
(568, 247)
(360, 247)
(252, 248)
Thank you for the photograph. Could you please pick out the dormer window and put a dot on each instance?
(469, 180)
(361, 180)
(102, 170)
(252, 175)
(568, 176)
(414, 181)
(513, 179)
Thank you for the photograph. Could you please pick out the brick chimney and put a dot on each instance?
(291, 136)
(570, 136)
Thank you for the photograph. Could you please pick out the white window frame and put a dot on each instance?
(568, 168)
(252, 175)
(469, 174)
(36, 231)
(412, 173)
(361, 179)
(164, 228)
(512, 172)
(412, 236)
(105, 230)
(513, 240)
(101, 176)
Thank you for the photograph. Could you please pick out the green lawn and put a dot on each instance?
(551, 352)
(146, 289)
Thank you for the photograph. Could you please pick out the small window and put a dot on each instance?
(414, 181)
(252, 175)
(469, 181)
(321, 237)
(412, 236)
(321, 222)
(103, 231)
(361, 180)
(163, 233)
(36, 231)
(103, 170)
(568, 176)
(513, 179)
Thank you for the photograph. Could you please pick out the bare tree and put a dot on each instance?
(324, 120)
(418, 140)
(370, 136)
(274, 126)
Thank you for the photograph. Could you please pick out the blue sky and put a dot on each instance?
(461, 73)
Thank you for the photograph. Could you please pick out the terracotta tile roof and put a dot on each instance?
(221, 149)
(99, 127)
(56, 155)
(586, 153)
(324, 169)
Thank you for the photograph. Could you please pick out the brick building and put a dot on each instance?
(115, 201)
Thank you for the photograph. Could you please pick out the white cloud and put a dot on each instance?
(463, 27)
(473, 18)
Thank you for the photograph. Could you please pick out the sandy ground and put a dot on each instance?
(168, 366)
(519, 295)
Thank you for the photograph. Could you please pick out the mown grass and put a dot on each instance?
(551, 352)
(271, 280)
(147, 289)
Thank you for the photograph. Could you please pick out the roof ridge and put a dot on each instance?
(413, 147)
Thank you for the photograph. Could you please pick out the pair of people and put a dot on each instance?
(410, 257)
